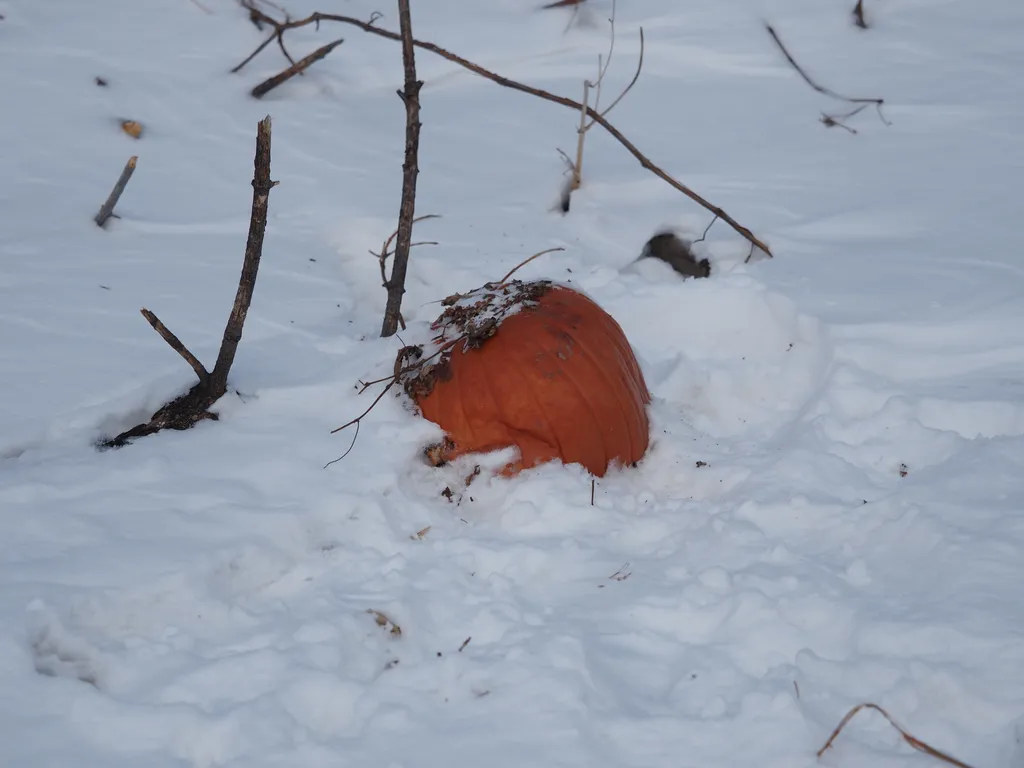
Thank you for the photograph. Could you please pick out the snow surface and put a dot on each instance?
(201, 598)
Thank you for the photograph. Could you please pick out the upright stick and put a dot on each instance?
(107, 209)
(261, 186)
(410, 95)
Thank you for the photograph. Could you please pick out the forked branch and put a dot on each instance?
(645, 162)
(194, 406)
(863, 102)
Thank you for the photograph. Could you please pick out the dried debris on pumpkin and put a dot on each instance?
(471, 318)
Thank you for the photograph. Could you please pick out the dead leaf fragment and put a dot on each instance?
(132, 127)
(383, 621)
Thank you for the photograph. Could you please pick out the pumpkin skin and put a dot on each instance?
(557, 379)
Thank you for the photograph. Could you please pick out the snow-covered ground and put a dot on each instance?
(832, 510)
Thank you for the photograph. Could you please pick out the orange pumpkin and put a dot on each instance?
(532, 365)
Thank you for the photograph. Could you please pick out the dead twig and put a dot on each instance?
(259, 18)
(645, 162)
(576, 167)
(297, 68)
(912, 740)
(410, 95)
(821, 88)
(175, 343)
(524, 262)
(107, 209)
(194, 406)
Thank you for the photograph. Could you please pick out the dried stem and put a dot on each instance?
(410, 95)
(317, 18)
(297, 68)
(523, 263)
(581, 135)
(912, 740)
(194, 406)
(107, 209)
(818, 87)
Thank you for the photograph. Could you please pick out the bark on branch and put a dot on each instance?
(194, 406)
(316, 18)
(410, 95)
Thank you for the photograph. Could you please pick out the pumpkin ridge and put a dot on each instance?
(633, 438)
(637, 385)
(504, 346)
(581, 391)
(552, 432)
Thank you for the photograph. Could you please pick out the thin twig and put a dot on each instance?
(175, 343)
(817, 86)
(299, 67)
(602, 68)
(636, 76)
(376, 400)
(523, 263)
(913, 741)
(410, 95)
(347, 450)
(107, 209)
(505, 82)
(706, 230)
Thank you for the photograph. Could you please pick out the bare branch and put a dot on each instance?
(505, 82)
(820, 88)
(107, 209)
(410, 171)
(297, 68)
(189, 409)
(176, 345)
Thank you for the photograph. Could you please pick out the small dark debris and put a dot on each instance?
(903, 470)
(701, 464)
(105, 287)
(101, 82)
(464, 644)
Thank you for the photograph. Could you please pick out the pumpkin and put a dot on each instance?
(531, 365)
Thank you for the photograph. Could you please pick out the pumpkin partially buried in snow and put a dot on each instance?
(531, 365)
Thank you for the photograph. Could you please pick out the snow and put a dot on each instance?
(831, 510)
